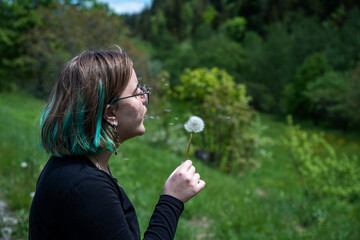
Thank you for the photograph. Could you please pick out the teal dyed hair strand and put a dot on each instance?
(101, 99)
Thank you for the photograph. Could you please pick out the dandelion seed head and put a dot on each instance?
(194, 125)
(24, 164)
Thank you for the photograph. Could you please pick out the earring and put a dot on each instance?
(114, 126)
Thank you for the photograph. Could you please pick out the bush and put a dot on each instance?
(321, 172)
(230, 132)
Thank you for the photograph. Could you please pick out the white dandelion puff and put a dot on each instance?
(32, 194)
(194, 125)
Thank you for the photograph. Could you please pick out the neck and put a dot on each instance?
(101, 160)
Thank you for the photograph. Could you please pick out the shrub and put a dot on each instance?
(229, 132)
(321, 172)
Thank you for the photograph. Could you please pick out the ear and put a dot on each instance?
(110, 115)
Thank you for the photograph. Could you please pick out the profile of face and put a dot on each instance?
(129, 114)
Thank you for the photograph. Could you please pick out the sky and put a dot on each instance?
(127, 6)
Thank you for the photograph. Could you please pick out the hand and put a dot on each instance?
(183, 183)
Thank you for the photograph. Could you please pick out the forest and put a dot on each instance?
(277, 83)
(295, 57)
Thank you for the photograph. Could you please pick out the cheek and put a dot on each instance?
(129, 115)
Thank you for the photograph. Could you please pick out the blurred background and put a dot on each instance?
(277, 83)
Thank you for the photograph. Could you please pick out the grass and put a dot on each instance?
(262, 203)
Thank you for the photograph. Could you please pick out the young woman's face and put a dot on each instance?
(130, 113)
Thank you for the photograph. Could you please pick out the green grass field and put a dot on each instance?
(262, 203)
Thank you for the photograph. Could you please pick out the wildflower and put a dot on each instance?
(24, 164)
(193, 125)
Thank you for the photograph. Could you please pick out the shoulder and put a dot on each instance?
(62, 176)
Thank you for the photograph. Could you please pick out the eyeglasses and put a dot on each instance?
(145, 93)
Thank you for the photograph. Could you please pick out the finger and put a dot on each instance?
(200, 186)
(186, 165)
(196, 178)
(192, 170)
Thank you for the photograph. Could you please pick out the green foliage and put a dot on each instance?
(235, 28)
(210, 50)
(328, 97)
(61, 33)
(322, 173)
(209, 15)
(223, 104)
(16, 18)
(313, 67)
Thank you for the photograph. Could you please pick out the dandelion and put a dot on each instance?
(24, 164)
(193, 125)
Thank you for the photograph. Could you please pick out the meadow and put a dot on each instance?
(265, 202)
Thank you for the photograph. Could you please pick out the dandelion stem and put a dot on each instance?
(187, 154)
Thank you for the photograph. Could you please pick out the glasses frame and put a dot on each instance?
(139, 94)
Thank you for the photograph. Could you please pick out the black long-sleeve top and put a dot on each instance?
(76, 200)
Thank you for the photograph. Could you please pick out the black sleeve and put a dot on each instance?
(93, 210)
(164, 220)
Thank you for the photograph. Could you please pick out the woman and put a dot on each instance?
(96, 105)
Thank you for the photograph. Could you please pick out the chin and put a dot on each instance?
(142, 131)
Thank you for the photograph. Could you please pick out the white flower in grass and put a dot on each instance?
(32, 194)
(24, 164)
(194, 125)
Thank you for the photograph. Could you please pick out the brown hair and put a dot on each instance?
(73, 120)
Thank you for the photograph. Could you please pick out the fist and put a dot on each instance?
(184, 182)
